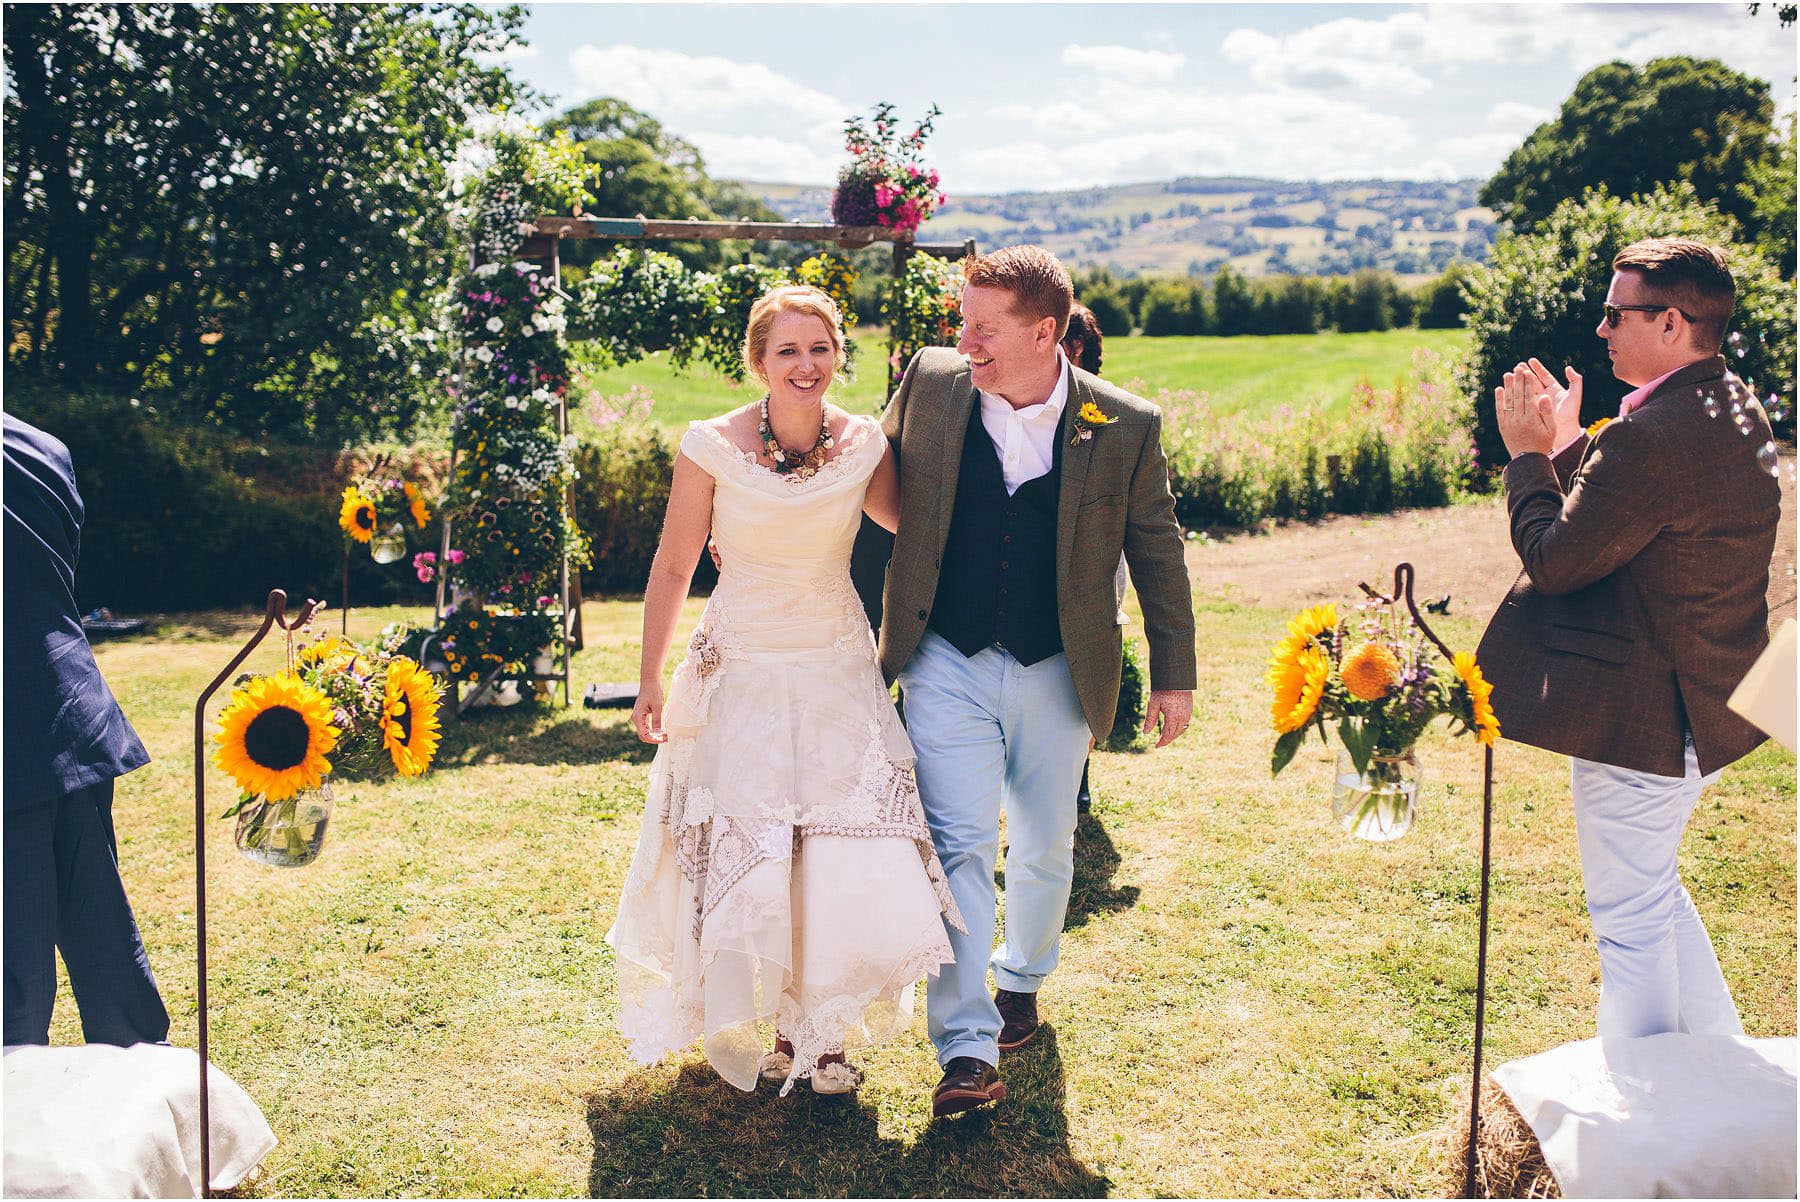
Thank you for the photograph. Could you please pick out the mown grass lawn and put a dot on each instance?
(1306, 371)
(1249, 1003)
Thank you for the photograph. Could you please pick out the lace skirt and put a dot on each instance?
(784, 875)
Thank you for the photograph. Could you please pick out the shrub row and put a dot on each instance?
(1404, 447)
(183, 518)
(179, 517)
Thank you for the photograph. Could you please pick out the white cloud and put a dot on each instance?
(767, 159)
(518, 52)
(1125, 62)
(1509, 116)
(1375, 55)
(678, 87)
(1345, 55)
(1130, 132)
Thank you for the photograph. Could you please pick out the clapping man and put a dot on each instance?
(66, 742)
(1646, 547)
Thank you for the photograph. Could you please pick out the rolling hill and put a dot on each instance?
(1197, 224)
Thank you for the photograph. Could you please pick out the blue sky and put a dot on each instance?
(1040, 96)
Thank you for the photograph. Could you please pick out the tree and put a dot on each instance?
(1628, 129)
(240, 206)
(1168, 309)
(1234, 305)
(642, 168)
(1542, 292)
(1770, 191)
(1109, 310)
(1441, 302)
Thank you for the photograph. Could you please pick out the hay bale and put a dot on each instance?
(1508, 1161)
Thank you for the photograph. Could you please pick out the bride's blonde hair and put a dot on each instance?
(789, 298)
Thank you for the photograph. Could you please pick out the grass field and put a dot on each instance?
(1249, 1003)
(1263, 372)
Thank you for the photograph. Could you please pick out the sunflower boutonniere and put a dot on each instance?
(1088, 418)
(1596, 426)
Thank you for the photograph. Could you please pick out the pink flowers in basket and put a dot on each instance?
(885, 183)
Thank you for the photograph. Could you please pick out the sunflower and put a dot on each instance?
(416, 506)
(409, 716)
(334, 654)
(1487, 726)
(274, 736)
(1371, 671)
(357, 516)
(1299, 681)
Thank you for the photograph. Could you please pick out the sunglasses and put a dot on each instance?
(1616, 313)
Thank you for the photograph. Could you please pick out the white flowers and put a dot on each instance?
(495, 325)
(485, 354)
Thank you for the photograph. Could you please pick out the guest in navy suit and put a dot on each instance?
(66, 742)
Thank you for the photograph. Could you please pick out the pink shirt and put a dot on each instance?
(1630, 401)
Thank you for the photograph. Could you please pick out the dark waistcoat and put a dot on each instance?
(997, 584)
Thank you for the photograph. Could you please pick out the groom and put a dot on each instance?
(1022, 479)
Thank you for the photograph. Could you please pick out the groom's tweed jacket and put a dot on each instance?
(1114, 496)
(1643, 601)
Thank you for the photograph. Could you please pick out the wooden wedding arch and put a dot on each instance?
(543, 246)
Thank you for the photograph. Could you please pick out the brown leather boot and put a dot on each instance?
(967, 1084)
(1018, 1018)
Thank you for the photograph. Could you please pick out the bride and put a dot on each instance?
(784, 874)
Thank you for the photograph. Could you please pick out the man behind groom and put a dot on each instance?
(1022, 480)
(1646, 548)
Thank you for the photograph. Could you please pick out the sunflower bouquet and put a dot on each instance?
(339, 706)
(377, 512)
(1377, 678)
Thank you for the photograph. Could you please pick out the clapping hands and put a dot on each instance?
(1535, 413)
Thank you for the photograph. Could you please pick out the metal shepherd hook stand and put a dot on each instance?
(275, 615)
(1403, 591)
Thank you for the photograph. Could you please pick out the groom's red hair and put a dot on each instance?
(1037, 280)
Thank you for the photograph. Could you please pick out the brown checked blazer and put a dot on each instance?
(1642, 604)
(1114, 497)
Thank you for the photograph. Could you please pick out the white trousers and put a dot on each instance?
(1658, 972)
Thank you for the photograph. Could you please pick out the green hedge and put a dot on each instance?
(1410, 446)
(182, 518)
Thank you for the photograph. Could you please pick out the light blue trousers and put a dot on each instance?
(1658, 972)
(991, 733)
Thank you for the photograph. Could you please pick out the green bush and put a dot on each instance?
(1127, 732)
(1406, 447)
(620, 494)
(184, 518)
(1542, 292)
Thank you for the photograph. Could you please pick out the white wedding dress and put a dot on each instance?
(784, 875)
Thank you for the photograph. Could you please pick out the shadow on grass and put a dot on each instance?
(696, 1136)
(1096, 860)
(528, 734)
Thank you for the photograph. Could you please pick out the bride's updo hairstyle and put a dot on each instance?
(789, 298)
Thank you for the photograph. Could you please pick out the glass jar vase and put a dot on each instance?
(389, 545)
(286, 834)
(1377, 805)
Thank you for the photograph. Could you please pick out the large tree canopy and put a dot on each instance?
(642, 168)
(240, 206)
(1631, 128)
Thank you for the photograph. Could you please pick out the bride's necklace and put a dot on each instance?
(801, 464)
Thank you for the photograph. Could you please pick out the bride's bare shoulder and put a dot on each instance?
(741, 427)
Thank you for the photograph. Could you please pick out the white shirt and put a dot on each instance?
(1025, 439)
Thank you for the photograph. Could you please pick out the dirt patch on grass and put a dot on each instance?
(1463, 551)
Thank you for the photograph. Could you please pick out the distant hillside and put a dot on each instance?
(1195, 224)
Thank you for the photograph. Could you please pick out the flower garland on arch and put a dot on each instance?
(507, 494)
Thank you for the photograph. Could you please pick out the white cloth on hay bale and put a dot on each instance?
(1665, 1116)
(100, 1121)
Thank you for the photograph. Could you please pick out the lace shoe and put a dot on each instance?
(775, 1067)
(1018, 1018)
(967, 1084)
(836, 1077)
